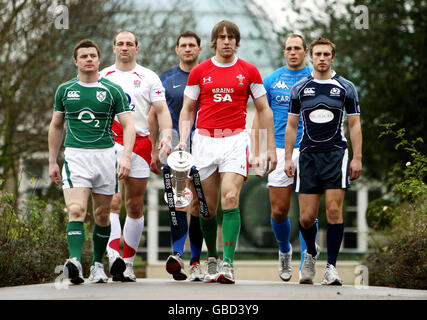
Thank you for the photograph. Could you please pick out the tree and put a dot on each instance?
(381, 48)
(36, 55)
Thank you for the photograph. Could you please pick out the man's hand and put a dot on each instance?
(123, 167)
(258, 166)
(55, 173)
(165, 148)
(271, 160)
(289, 168)
(155, 163)
(355, 169)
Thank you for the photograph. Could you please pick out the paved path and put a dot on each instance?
(165, 289)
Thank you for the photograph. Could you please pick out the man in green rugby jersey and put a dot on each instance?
(87, 105)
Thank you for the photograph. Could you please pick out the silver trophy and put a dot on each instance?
(180, 163)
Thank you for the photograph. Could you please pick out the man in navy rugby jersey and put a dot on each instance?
(174, 80)
(323, 100)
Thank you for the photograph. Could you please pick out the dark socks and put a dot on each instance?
(334, 236)
(196, 239)
(310, 238)
(179, 232)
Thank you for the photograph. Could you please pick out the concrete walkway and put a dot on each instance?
(168, 289)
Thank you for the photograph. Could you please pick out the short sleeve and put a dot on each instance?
(121, 101)
(295, 102)
(58, 104)
(351, 102)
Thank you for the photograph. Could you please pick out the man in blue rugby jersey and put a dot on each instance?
(278, 86)
(323, 100)
(174, 80)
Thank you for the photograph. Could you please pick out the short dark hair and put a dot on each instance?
(231, 28)
(188, 34)
(322, 40)
(295, 35)
(86, 43)
(126, 31)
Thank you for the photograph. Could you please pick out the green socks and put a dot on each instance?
(230, 232)
(209, 230)
(75, 239)
(100, 240)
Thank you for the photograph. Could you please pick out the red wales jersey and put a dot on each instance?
(223, 91)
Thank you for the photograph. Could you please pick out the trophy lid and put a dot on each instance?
(180, 161)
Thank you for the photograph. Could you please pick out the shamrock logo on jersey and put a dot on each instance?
(101, 95)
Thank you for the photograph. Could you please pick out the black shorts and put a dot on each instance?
(317, 171)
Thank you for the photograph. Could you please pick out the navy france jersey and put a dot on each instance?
(174, 80)
(323, 106)
(278, 86)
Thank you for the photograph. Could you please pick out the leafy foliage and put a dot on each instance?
(400, 237)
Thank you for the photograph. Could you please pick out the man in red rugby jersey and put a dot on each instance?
(222, 86)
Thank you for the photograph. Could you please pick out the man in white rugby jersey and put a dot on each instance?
(144, 90)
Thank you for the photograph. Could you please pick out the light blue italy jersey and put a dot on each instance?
(278, 86)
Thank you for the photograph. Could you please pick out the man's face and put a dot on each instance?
(188, 50)
(294, 53)
(322, 58)
(225, 44)
(125, 48)
(87, 60)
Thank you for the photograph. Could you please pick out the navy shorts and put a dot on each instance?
(318, 171)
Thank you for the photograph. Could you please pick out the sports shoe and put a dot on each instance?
(330, 276)
(285, 266)
(308, 269)
(211, 270)
(97, 273)
(117, 267)
(128, 274)
(195, 272)
(73, 271)
(226, 275)
(175, 266)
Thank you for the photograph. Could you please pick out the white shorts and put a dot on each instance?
(90, 168)
(278, 177)
(139, 168)
(228, 154)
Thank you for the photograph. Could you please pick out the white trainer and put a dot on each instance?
(97, 273)
(331, 276)
(195, 272)
(116, 266)
(308, 269)
(285, 265)
(128, 274)
(73, 271)
(211, 271)
(226, 275)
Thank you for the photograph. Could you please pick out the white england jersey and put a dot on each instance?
(142, 87)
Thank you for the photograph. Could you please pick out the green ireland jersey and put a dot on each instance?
(89, 110)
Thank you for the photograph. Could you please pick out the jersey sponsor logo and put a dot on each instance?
(83, 117)
(73, 95)
(241, 77)
(207, 80)
(222, 94)
(309, 91)
(219, 97)
(321, 116)
(335, 92)
(281, 85)
(101, 95)
(282, 98)
(176, 86)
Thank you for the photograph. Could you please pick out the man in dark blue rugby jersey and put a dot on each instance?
(324, 100)
(175, 80)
